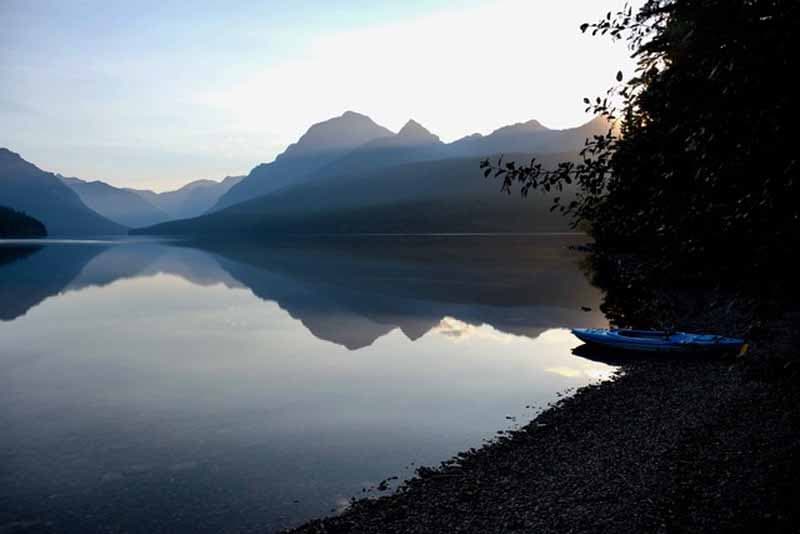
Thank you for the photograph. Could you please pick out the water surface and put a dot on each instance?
(163, 387)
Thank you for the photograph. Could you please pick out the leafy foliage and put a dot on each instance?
(703, 164)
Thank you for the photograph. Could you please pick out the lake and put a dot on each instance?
(153, 386)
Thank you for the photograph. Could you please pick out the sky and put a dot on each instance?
(156, 93)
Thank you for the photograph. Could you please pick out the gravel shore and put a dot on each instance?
(669, 446)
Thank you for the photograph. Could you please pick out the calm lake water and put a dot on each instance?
(165, 387)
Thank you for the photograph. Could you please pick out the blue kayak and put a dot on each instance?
(657, 341)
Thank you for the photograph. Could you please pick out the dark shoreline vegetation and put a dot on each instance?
(684, 205)
(16, 224)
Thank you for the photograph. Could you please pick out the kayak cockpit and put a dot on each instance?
(643, 334)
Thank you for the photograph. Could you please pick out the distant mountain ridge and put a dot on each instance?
(405, 182)
(42, 195)
(120, 205)
(373, 146)
(345, 174)
(136, 208)
(411, 144)
(530, 137)
(323, 143)
(437, 196)
(191, 200)
(123, 207)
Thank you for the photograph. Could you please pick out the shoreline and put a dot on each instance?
(666, 446)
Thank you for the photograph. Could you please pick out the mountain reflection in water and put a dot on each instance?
(170, 387)
(347, 291)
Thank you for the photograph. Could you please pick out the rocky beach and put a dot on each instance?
(668, 446)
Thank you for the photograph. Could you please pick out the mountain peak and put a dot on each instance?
(415, 132)
(532, 126)
(349, 114)
(347, 131)
(412, 127)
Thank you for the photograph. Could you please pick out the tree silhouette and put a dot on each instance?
(17, 224)
(703, 164)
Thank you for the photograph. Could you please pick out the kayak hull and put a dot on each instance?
(655, 341)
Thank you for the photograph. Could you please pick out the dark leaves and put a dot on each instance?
(704, 160)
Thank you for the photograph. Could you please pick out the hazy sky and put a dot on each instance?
(157, 93)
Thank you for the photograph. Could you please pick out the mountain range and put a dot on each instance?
(70, 206)
(119, 205)
(344, 175)
(140, 207)
(191, 200)
(42, 195)
(353, 142)
(389, 183)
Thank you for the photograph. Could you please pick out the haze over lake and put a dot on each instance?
(155, 386)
